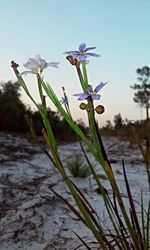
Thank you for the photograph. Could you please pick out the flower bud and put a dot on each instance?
(88, 108)
(83, 105)
(72, 60)
(100, 109)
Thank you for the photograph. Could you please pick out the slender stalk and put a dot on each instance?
(84, 86)
(85, 75)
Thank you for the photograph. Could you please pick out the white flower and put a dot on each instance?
(37, 65)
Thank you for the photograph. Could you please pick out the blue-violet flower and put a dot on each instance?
(82, 54)
(64, 100)
(91, 93)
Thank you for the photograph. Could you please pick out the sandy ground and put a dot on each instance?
(32, 217)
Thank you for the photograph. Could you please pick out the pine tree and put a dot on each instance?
(142, 90)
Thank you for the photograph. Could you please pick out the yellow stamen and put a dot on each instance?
(92, 93)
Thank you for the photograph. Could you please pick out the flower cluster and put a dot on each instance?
(37, 65)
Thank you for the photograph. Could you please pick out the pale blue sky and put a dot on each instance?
(119, 29)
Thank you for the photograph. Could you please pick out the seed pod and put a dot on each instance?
(83, 105)
(88, 108)
(100, 109)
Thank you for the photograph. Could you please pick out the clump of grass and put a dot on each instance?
(78, 168)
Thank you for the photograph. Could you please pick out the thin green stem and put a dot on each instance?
(85, 75)
(81, 78)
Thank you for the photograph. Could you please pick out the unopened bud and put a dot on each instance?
(83, 105)
(100, 109)
(88, 108)
(14, 65)
(72, 60)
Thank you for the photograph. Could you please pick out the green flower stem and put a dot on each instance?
(143, 217)
(148, 227)
(21, 82)
(30, 125)
(66, 103)
(94, 132)
(43, 112)
(45, 115)
(85, 76)
(42, 97)
(82, 80)
(55, 156)
(91, 115)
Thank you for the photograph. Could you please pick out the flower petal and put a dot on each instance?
(82, 96)
(89, 89)
(42, 63)
(96, 97)
(89, 48)
(75, 54)
(99, 86)
(92, 54)
(82, 47)
(70, 52)
(52, 64)
(37, 58)
(64, 100)
(27, 72)
(82, 58)
(78, 94)
(31, 64)
(37, 65)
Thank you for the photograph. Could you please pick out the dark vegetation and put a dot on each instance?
(142, 90)
(12, 109)
(124, 128)
(14, 114)
(142, 98)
